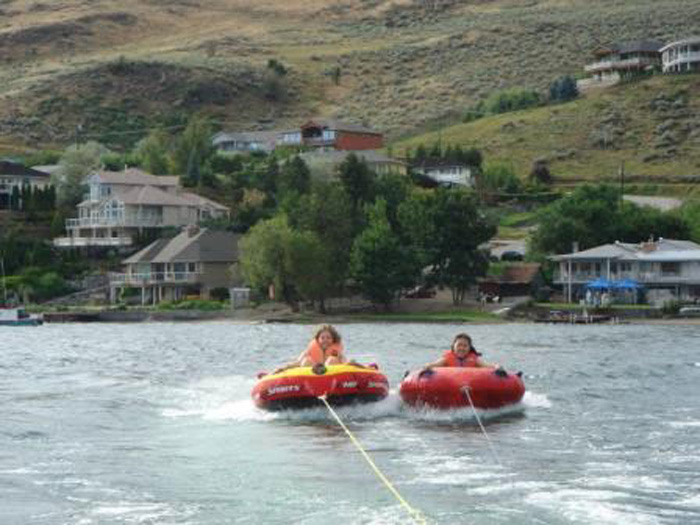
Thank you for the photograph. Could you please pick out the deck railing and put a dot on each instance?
(149, 278)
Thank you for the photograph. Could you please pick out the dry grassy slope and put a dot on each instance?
(653, 125)
(404, 63)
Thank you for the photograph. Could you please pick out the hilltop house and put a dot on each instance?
(120, 204)
(618, 60)
(668, 269)
(14, 175)
(681, 56)
(194, 262)
(444, 172)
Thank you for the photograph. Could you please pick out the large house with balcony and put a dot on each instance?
(619, 60)
(667, 269)
(15, 176)
(681, 56)
(119, 205)
(193, 263)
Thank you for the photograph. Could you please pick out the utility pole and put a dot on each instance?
(622, 180)
(78, 131)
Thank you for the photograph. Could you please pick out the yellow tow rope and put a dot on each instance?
(416, 514)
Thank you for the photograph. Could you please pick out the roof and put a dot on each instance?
(662, 249)
(605, 251)
(337, 156)
(200, 201)
(683, 42)
(670, 256)
(150, 195)
(337, 125)
(645, 46)
(8, 167)
(191, 245)
(134, 177)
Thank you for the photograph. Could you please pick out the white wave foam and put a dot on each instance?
(683, 424)
(536, 400)
(590, 506)
(457, 415)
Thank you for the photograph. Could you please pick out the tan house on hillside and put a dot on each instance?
(120, 204)
(194, 262)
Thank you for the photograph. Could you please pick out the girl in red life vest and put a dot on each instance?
(462, 353)
(326, 348)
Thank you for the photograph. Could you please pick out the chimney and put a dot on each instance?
(574, 246)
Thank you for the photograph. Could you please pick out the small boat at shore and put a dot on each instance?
(460, 387)
(18, 316)
(302, 387)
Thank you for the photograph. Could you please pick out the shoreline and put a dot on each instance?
(284, 315)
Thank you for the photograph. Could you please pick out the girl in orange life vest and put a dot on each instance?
(462, 353)
(325, 348)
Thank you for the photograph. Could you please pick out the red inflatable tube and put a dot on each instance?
(301, 387)
(444, 388)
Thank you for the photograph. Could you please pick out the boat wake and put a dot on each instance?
(227, 398)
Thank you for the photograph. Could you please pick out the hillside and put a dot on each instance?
(118, 69)
(652, 125)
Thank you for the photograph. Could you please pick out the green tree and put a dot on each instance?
(593, 215)
(264, 258)
(326, 212)
(294, 177)
(152, 152)
(358, 181)
(563, 89)
(76, 163)
(447, 228)
(380, 264)
(193, 145)
(309, 264)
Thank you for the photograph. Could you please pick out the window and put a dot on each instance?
(328, 134)
(670, 268)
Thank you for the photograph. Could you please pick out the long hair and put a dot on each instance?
(331, 330)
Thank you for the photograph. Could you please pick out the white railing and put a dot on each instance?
(141, 279)
(103, 222)
(681, 58)
(77, 242)
(619, 64)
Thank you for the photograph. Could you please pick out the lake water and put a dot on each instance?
(153, 424)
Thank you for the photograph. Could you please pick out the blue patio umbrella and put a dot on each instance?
(599, 284)
(627, 284)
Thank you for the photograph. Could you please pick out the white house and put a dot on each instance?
(681, 56)
(666, 268)
(120, 204)
(444, 172)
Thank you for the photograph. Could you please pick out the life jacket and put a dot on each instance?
(469, 360)
(315, 352)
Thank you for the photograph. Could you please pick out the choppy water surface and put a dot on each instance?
(153, 424)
